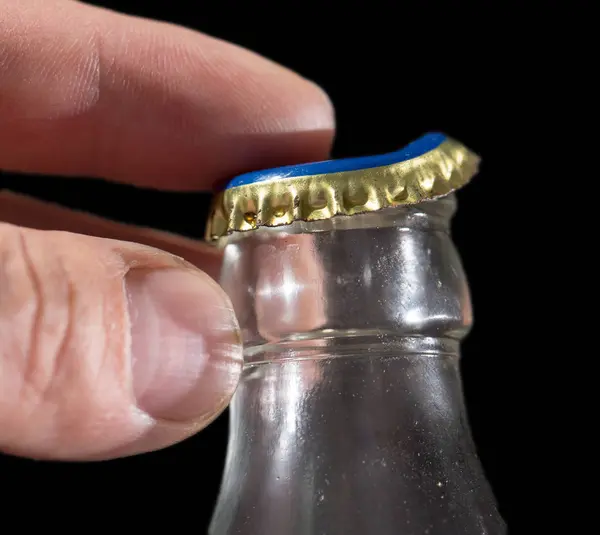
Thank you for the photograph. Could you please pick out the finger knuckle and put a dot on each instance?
(55, 329)
(38, 318)
(28, 60)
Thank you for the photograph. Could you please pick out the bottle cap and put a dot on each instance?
(430, 167)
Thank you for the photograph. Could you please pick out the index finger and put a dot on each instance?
(88, 92)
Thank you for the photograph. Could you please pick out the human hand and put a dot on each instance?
(108, 347)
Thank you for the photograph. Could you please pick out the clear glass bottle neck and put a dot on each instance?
(393, 274)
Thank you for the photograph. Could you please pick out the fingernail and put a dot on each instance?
(186, 347)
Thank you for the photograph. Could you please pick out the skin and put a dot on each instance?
(115, 339)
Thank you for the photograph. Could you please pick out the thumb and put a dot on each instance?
(107, 348)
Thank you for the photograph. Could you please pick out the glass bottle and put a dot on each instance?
(349, 418)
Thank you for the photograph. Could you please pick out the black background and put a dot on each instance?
(394, 70)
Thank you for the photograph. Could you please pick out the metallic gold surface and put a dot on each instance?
(279, 202)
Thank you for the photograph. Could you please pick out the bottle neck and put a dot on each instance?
(376, 278)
